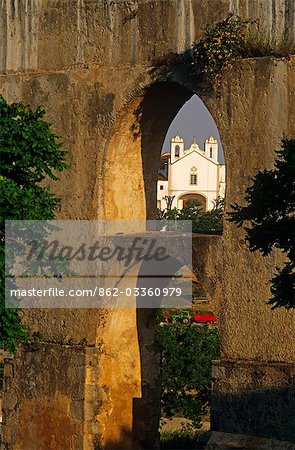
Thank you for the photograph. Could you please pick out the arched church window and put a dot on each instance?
(177, 151)
(211, 152)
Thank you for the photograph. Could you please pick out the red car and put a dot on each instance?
(204, 318)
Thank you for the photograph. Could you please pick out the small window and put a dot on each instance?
(177, 151)
(193, 178)
(211, 152)
(161, 187)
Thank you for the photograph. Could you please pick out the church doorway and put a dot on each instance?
(186, 199)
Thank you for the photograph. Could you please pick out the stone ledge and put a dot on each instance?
(225, 441)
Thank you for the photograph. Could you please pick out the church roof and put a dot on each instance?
(194, 146)
(198, 152)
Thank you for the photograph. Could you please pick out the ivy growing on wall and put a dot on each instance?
(221, 44)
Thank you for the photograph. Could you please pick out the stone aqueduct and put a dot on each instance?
(88, 62)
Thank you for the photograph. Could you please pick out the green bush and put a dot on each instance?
(187, 354)
(202, 221)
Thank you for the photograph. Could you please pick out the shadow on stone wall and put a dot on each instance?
(147, 409)
(258, 411)
(126, 436)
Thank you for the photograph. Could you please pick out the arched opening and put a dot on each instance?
(129, 189)
(184, 200)
(134, 185)
(194, 182)
(192, 155)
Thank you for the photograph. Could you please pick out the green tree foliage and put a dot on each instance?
(269, 220)
(202, 221)
(30, 152)
(187, 354)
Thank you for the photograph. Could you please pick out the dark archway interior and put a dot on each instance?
(146, 410)
(133, 151)
(156, 112)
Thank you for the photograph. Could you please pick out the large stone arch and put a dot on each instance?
(84, 62)
(131, 158)
(235, 122)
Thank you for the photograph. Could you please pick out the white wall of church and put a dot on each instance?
(162, 190)
(193, 164)
(194, 171)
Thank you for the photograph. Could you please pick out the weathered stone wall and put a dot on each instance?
(99, 392)
(72, 56)
(227, 441)
(56, 34)
(48, 407)
(88, 63)
(254, 109)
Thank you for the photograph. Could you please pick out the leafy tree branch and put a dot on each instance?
(269, 220)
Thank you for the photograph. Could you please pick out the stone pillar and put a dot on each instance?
(73, 396)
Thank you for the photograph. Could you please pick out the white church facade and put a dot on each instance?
(194, 173)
